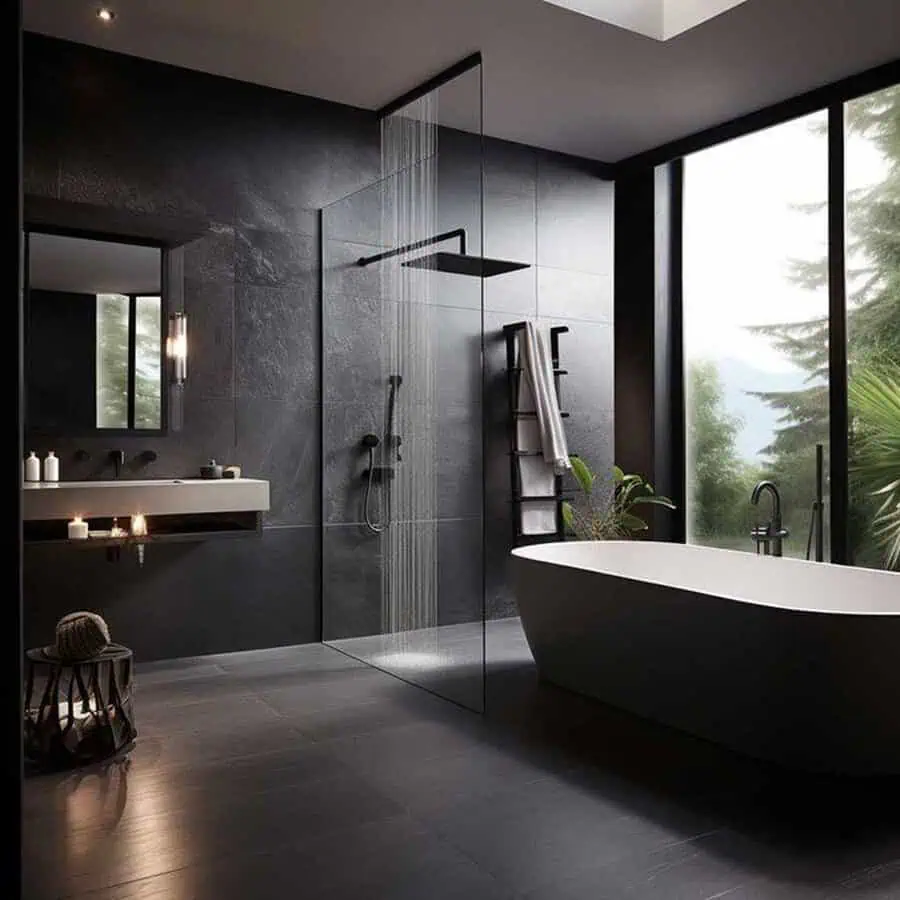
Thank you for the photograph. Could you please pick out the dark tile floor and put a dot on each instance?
(302, 773)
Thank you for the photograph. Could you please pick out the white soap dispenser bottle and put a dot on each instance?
(51, 467)
(32, 467)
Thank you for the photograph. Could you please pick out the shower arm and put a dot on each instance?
(417, 245)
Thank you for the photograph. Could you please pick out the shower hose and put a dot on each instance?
(373, 527)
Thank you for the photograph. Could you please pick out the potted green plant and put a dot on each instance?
(608, 511)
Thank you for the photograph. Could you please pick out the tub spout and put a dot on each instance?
(770, 537)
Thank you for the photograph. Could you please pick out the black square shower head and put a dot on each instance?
(463, 264)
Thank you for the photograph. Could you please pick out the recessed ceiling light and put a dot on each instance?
(658, 19)
(105, 14)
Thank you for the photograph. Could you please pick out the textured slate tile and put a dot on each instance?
(221, 825)
(459, 184)
(565, 830)
(574, 295)
(211, 257)
(276, 343)
(456, 337)
(394, 860)
(346, 460)
(208, 431)
(591, 435)
(354, 357)
(574, 216)
(684, 871)
(458, 462)
(365, 217)
(510, 202)
(351, 578)
(280, 441)
(341, 273)
(499, 598)
(586, 352)
(414, 743)
(271, 207)
(460, 577)
(40, 174)
(301, 694)
(275, 259)
(210, 308)
(514, 294)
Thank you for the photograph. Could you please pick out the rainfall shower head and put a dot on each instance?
(455, 263)
(463, 264)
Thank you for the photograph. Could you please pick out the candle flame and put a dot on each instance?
(138, 525)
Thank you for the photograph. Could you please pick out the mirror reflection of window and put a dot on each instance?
(147, 369)
(112, 360)
(94, 335)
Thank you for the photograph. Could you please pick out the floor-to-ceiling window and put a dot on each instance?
(873, 326)
(755, 321)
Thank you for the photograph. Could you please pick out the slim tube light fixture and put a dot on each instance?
(177, 347)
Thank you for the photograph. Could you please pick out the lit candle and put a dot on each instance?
(139, 530)
(138, 525)
(78, 529)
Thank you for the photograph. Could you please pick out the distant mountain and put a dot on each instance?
(760, 422)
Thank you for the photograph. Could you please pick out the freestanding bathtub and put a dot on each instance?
(789, 661)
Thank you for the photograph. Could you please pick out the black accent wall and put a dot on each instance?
(127, 134)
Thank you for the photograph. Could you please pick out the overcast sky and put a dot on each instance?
(742, 228)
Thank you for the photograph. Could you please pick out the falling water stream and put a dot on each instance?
(410, 542)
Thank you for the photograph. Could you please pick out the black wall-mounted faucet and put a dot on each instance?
(117, 458)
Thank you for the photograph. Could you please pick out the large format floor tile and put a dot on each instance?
(302, 772)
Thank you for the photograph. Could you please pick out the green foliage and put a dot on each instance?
(875, 395)
(609, 514)
(873, 331)
(112, 361)
(720, 482)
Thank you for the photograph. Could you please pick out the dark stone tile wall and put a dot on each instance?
(541, 208)
(558, 212)
(128, 134)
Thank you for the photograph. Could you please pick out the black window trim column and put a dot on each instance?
(838, 413)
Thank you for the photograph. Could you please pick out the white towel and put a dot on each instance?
(536, 477)
(538, 367)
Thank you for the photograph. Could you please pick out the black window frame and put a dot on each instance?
(669, 347)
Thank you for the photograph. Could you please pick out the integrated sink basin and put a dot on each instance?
(164, 497)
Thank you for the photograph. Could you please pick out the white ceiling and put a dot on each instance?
(553, 78)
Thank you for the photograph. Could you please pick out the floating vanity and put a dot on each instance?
(174, 509)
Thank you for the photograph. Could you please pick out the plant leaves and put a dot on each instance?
(618, 474)
(633, 523)
(582, 473)
(655, 500)
(568, 515)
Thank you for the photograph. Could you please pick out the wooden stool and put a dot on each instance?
(78, 712)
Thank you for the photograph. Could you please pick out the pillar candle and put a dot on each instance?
(78, 529)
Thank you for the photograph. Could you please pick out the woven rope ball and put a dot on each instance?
(81, 635)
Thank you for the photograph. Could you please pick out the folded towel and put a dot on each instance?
(536, 475)
(538, 367)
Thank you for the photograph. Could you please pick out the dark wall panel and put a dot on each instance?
(259, 163)
(126, 134)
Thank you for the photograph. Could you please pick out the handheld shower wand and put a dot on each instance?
(370, 442)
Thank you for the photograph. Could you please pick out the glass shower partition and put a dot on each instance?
(402, 332)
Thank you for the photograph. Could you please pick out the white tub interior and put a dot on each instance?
(770, 581)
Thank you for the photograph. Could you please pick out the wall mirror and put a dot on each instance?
(94, 336)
